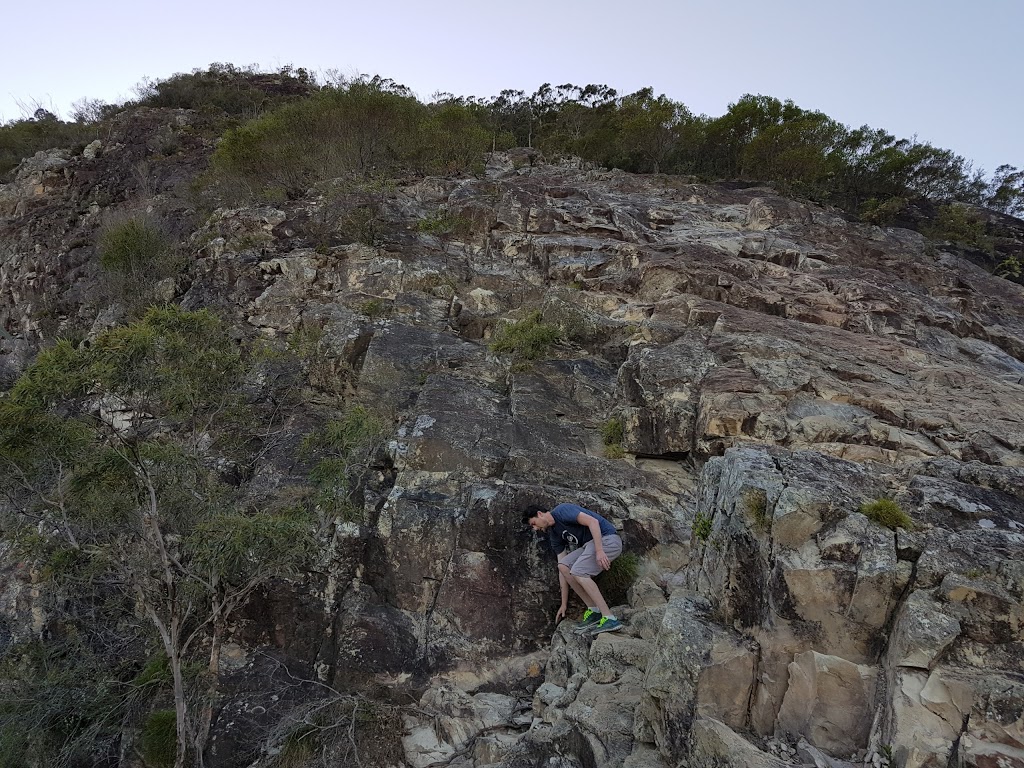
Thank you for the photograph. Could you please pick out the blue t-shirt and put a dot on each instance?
(567, 533)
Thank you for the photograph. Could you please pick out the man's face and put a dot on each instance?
(542, 521)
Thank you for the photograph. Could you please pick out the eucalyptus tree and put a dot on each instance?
(121, 456)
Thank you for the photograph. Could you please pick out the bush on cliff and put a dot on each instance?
(360, 128)
(23, 138)
(616, 581)
(245, 92)
(121, 455)
(959, 225)
(526, 339)
(136, 252)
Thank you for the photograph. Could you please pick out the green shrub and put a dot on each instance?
(1010, 268)
(887, 513)
(132, 245)
(342, 450)
(238, 91)
(159, 739)
(136, 253)
(882, 212)
(361, 127)
(444, 224)
(526, 339)
(616, 581)
(702, 526)
(959, 225)
(23, 138)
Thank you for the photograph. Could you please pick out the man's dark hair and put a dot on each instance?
(531, 511)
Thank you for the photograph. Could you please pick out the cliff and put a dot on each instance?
(738, 380)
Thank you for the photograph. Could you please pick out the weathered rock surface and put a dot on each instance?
(774, 366)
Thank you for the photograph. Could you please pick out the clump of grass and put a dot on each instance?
(159, 739)
(443, 223)
(614, 451)
(136, 252)
(133, 244)
(702, 526)
(527, 339)
(375, 308)
(616, 581)
(755, 504)
(887, 513)
(613, 432)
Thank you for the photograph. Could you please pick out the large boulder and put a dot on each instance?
(829, 701)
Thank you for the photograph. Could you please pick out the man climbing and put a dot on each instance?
(586, 544)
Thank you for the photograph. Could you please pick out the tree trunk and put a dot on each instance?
(206, 717)
(180, 709)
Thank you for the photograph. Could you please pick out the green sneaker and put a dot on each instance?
(590, 619)
(606, 624)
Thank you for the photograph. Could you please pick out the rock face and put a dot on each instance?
(773, 366)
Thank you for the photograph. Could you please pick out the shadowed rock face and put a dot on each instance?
(773, 365)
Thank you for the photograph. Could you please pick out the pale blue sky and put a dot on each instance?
(946, 71)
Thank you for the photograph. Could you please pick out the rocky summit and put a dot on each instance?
(808, 428)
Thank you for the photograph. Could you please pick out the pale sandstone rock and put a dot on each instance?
(829, 701)
(716, 745)
(457, 717)
(921, 633)
(695, 668)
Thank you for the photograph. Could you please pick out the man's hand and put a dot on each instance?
(603, 561)
(560, 613)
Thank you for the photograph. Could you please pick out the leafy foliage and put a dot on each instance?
(958, 224)
(111, 453)
(702, 526)
(358, 128)
(342, 450)
(23, 138)
(1006, 190)
(616, 581)
(238, 91)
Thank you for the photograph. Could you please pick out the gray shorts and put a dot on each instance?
(582, 561)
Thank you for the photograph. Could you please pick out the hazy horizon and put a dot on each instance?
(940, 71)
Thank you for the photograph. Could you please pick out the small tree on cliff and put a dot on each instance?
(113, 457)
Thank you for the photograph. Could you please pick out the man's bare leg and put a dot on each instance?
(571, 581)
(585, 587)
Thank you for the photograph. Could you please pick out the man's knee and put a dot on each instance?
(564, 568)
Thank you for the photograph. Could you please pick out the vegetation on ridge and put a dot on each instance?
(290, 130)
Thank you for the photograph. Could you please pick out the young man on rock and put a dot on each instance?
(586, 544)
